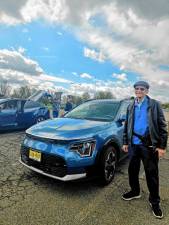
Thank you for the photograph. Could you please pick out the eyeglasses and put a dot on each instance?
(140, 88)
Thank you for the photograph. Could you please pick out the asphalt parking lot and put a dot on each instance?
(27, 198)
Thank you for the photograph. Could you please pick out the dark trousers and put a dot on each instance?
(150, 161)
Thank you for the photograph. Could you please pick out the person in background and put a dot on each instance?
(50, 106)
(69, 105)
(56, 108)
(145, 138)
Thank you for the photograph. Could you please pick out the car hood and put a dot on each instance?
(67, 128)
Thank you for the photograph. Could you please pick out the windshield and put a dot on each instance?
(95, 110)
(37, 96)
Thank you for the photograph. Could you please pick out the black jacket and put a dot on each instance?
(157, 124)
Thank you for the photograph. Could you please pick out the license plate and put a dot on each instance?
(35, 155)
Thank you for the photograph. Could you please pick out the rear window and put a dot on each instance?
(31, 104)
(8, 105)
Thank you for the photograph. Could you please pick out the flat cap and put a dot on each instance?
(142, 84)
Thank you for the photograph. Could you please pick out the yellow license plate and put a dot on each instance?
(34, 155)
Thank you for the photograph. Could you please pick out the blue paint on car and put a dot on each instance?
(20, 113)
(88, 139)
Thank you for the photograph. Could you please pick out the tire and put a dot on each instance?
(40, 119)
(108, 161)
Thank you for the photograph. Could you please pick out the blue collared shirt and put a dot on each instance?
(140, 119)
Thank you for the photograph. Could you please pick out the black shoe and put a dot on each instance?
(156, 211)
(130, 195)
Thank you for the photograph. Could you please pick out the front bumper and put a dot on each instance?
(51, 165)
(67, 177)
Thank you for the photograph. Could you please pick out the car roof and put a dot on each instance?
(7, 99)
(3, 100)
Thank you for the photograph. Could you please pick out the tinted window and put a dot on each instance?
(9, 105)
(31, 104)
(95, 110)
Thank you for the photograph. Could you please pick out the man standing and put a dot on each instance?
(69, 105)
(145, 138)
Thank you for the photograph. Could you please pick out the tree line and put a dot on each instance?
(26, 91)
(20, 92)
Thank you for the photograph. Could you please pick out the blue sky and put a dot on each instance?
(57, 50)
(98, 45)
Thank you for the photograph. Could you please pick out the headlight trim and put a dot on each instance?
(84, 148)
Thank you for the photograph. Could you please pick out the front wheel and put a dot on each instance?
(107, 165)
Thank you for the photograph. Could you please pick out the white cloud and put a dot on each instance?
(44, 81)
(79, 89)
(11, 9)
(98, 56)
(122, 67)
(53, 79)
(19, 70)
(86, 75)
(76, 11)
(150, 9)
(59, 33)
(14, 60)
(73, 12)
(75, 74)
(122, 76)
(118, 89)
(53, 11)
(133, 55)
(21, 50)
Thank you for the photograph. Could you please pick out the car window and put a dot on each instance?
(31, 104)
(96, 110)
(123, 108)
(8, 105)
(19, 104)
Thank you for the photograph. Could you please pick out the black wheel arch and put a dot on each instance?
(111, 142)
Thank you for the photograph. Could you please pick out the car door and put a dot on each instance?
(29, 113)
(8, 114)
(20, 114)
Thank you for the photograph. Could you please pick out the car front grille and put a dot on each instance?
(50, 164)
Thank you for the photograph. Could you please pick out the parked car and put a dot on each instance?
(19, 113)
(86, 141)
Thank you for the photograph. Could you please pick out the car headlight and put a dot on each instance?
(84, 148)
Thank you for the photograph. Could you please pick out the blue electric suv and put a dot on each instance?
(86, 141)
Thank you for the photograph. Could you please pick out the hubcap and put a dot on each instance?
(110, 165)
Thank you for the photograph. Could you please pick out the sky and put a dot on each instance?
(93, 45)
